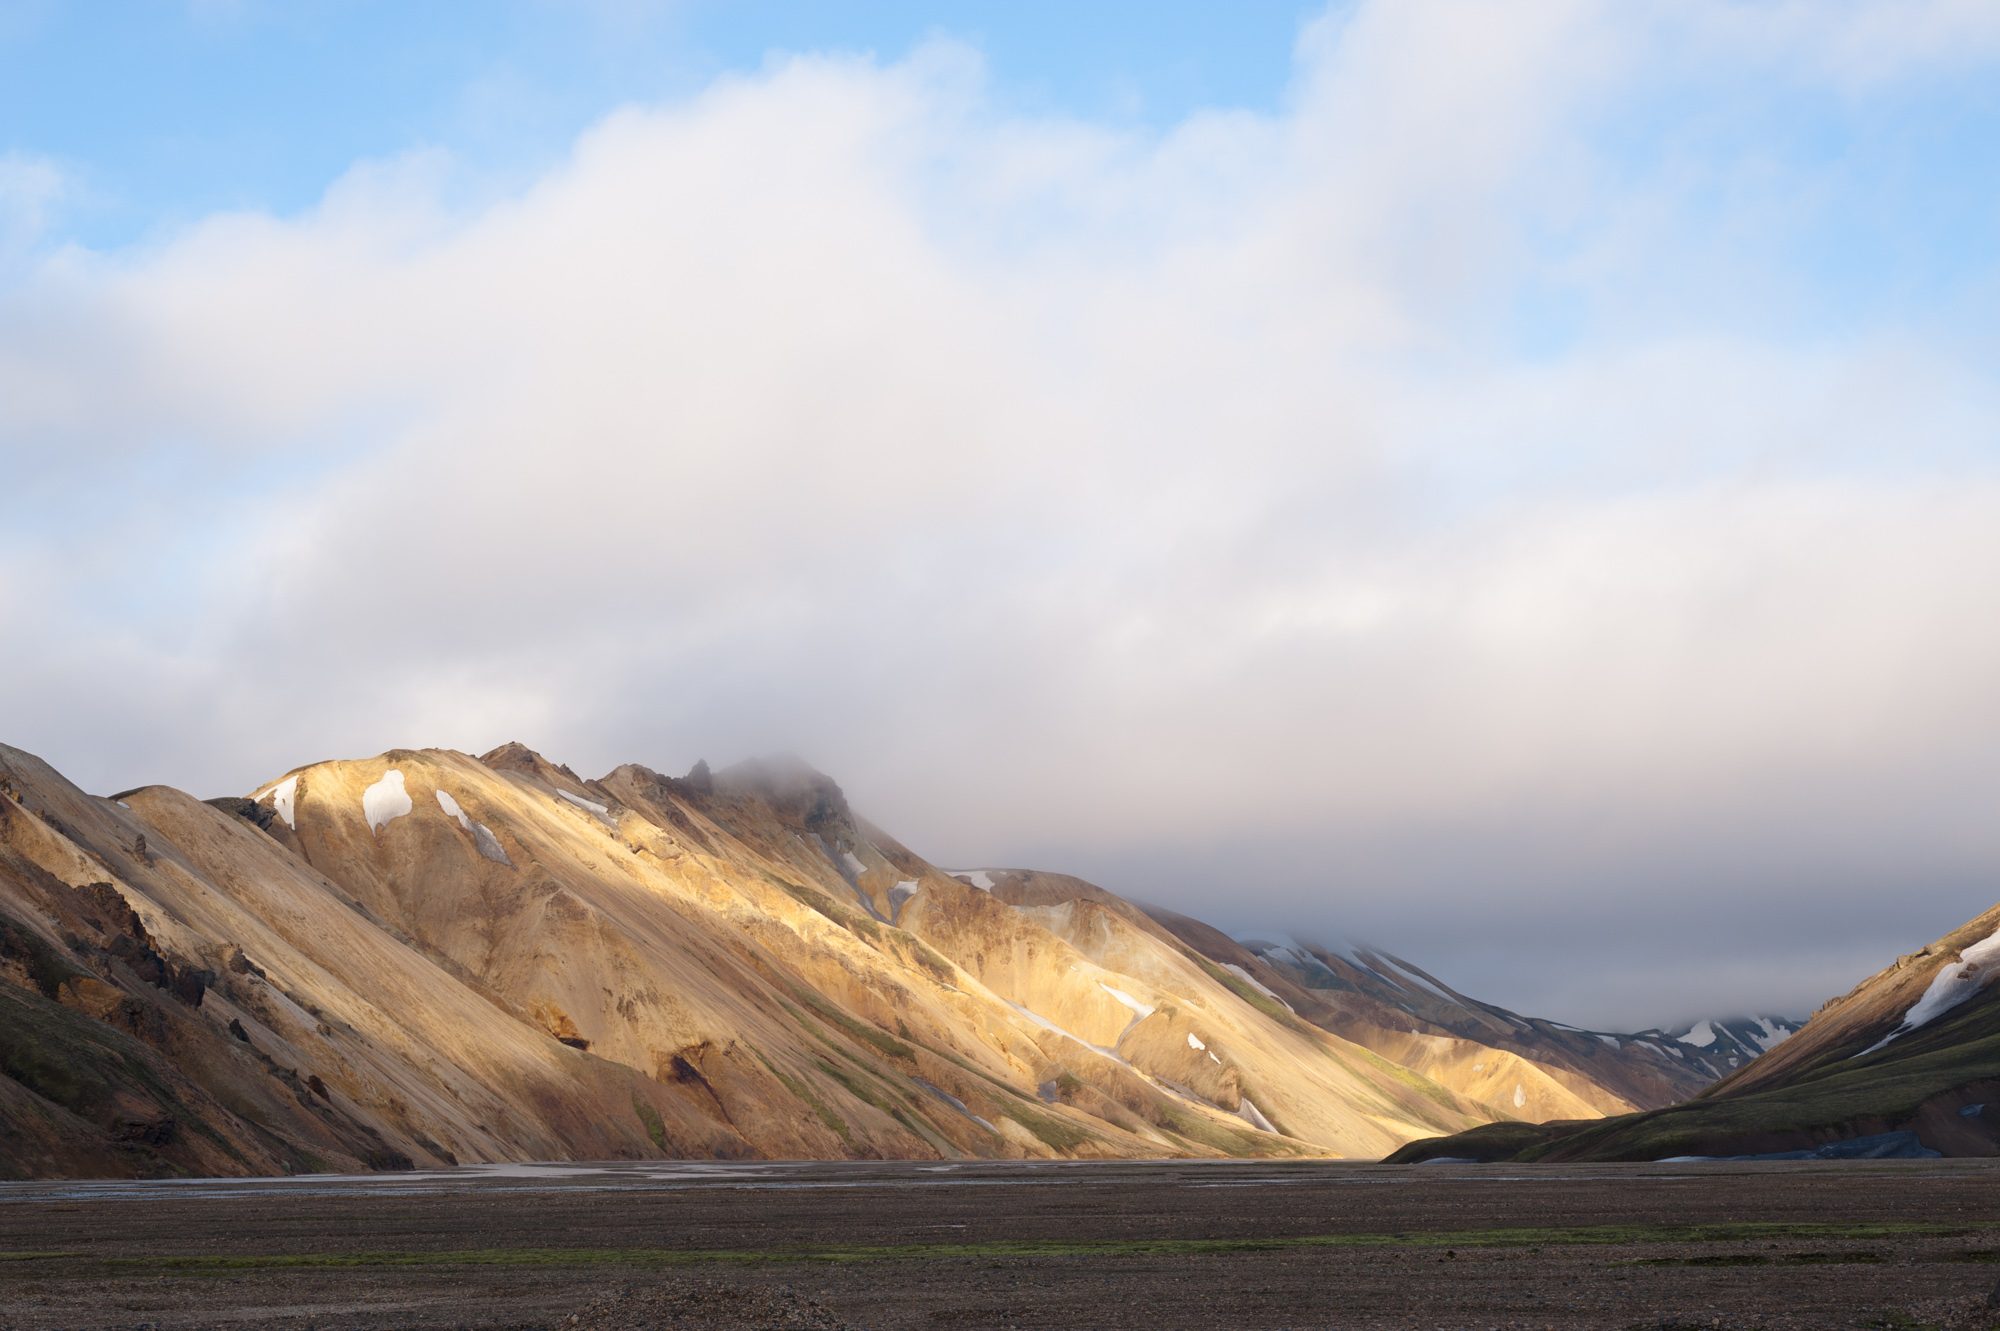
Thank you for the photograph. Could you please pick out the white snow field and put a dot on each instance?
(1949, 987)
(385, 801)
(1701, 1034)
(283, 798)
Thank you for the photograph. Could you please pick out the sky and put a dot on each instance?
(1519, 484)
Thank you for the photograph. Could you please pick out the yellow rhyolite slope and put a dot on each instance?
(429, 957)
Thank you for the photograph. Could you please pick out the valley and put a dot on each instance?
(895, 1245)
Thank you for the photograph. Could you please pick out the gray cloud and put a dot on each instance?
(1179, 510)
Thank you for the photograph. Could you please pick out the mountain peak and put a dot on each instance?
(795, 790)
(514, 756)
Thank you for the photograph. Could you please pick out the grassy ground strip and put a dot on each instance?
(1585, 1236)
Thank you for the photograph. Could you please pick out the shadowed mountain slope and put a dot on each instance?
(1907, 1062)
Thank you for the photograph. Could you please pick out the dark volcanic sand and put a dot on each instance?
(460, 1249)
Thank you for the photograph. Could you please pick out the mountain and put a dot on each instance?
(1729, 1043)
(1907, 1062)
(424, 958)
(1365, 988)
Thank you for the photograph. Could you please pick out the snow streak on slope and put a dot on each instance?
(1953, 985)
(482, 836)
(1141, 1009)
(590, 806)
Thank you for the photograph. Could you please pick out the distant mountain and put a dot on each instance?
(1507, 1083)
(1908, 1062)
(1365, 987)
(1726, 1044)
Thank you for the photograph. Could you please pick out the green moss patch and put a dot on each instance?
(650, 1119)
(1039, 1249)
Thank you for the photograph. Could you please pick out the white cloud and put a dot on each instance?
(1856, 44)
(1059, 488)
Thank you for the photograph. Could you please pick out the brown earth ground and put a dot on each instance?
(1904, 1244)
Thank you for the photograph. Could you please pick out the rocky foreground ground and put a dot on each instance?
(1894, 1245)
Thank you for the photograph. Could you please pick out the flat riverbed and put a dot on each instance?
(1901, 1244)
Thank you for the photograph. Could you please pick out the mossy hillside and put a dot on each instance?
(1835, 1099)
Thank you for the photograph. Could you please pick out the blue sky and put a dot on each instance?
(166, 112)
(158, 114)
(1430, 470)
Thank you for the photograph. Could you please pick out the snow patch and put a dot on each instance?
(489, 845)
(1949, 987)
(1250, 1114)
(979, 878)
(955, 1103)
(1412, 977)
(1048, 1025)
(284, 798)
(855, 868)
(582, 803)
(483, 839)
(1127, 999)
(1520, 1096)
(1770, 1034)
(1611, 1040)
(1195, 1043)
(385, 801)
(1287, 950)
(1255, 983)
(901, 893)
(1701, 1035)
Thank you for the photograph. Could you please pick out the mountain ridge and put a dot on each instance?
(425, 957)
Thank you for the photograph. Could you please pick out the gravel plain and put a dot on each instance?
(1892, 1244)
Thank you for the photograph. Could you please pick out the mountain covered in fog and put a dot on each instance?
(425, 957)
